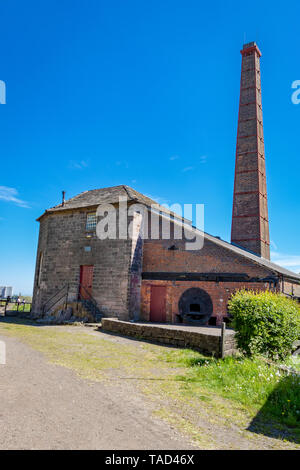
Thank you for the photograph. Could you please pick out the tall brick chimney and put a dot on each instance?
(250, 225)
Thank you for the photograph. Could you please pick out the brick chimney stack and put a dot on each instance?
(250, 225)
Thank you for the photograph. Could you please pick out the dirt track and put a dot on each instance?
(110, 392)
(44, 406)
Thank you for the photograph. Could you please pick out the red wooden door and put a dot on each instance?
(86, 281)
(158, 304)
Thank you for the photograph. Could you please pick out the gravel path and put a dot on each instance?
(44, 406)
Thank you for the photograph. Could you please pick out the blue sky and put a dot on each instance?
(142, 93)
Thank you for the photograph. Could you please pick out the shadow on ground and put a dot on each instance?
(280, 416)
(14, 320)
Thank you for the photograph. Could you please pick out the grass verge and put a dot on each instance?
(203, 393)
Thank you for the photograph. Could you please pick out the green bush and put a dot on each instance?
(265, 323)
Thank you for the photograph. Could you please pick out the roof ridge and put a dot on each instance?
(252, 256)
(141, 194)
(68, 200)
(87, 191)
(125, 187)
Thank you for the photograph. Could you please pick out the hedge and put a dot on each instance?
(266, 323)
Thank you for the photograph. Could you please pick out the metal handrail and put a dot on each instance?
(63, 292)
(90, 299)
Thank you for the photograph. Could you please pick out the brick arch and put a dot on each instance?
(195, 305)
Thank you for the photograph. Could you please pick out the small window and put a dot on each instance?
(91, 221)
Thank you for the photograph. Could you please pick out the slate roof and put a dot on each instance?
(257, 259)
(95, 197)
(111, 195)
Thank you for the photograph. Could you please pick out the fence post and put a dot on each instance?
(223, 334)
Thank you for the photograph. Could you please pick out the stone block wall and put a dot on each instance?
(187, 338)
(63, 241)
(136, 262)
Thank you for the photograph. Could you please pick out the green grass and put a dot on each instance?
(13, 307)
(293, 362)
(184, 385)
(22, 308)
(250, 382)
(88, 355)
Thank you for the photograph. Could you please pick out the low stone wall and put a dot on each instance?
(201, 339)
(230, 347)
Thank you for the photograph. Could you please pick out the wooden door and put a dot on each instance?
(158, 304)
(86, 281)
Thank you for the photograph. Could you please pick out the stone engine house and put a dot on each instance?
(155, 278)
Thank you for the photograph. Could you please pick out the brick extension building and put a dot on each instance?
(159, 279)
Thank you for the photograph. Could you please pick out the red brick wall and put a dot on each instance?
(290, 288)
(212, 258)
(250, 226)
(219, 292)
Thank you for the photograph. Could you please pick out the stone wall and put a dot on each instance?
(64, 244)
(136, 261)
(208, 343)
(75, 311)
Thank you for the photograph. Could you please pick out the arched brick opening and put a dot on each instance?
(195, 306)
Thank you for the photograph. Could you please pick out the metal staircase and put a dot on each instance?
(61, 299)
(89, 303)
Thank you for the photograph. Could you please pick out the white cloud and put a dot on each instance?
(78, 165)
(9, 195)
(202, 159)
(174, 157)
(273, 245)
(291, 262)
(188, 168)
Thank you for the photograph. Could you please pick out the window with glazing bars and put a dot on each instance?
(91, 221)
